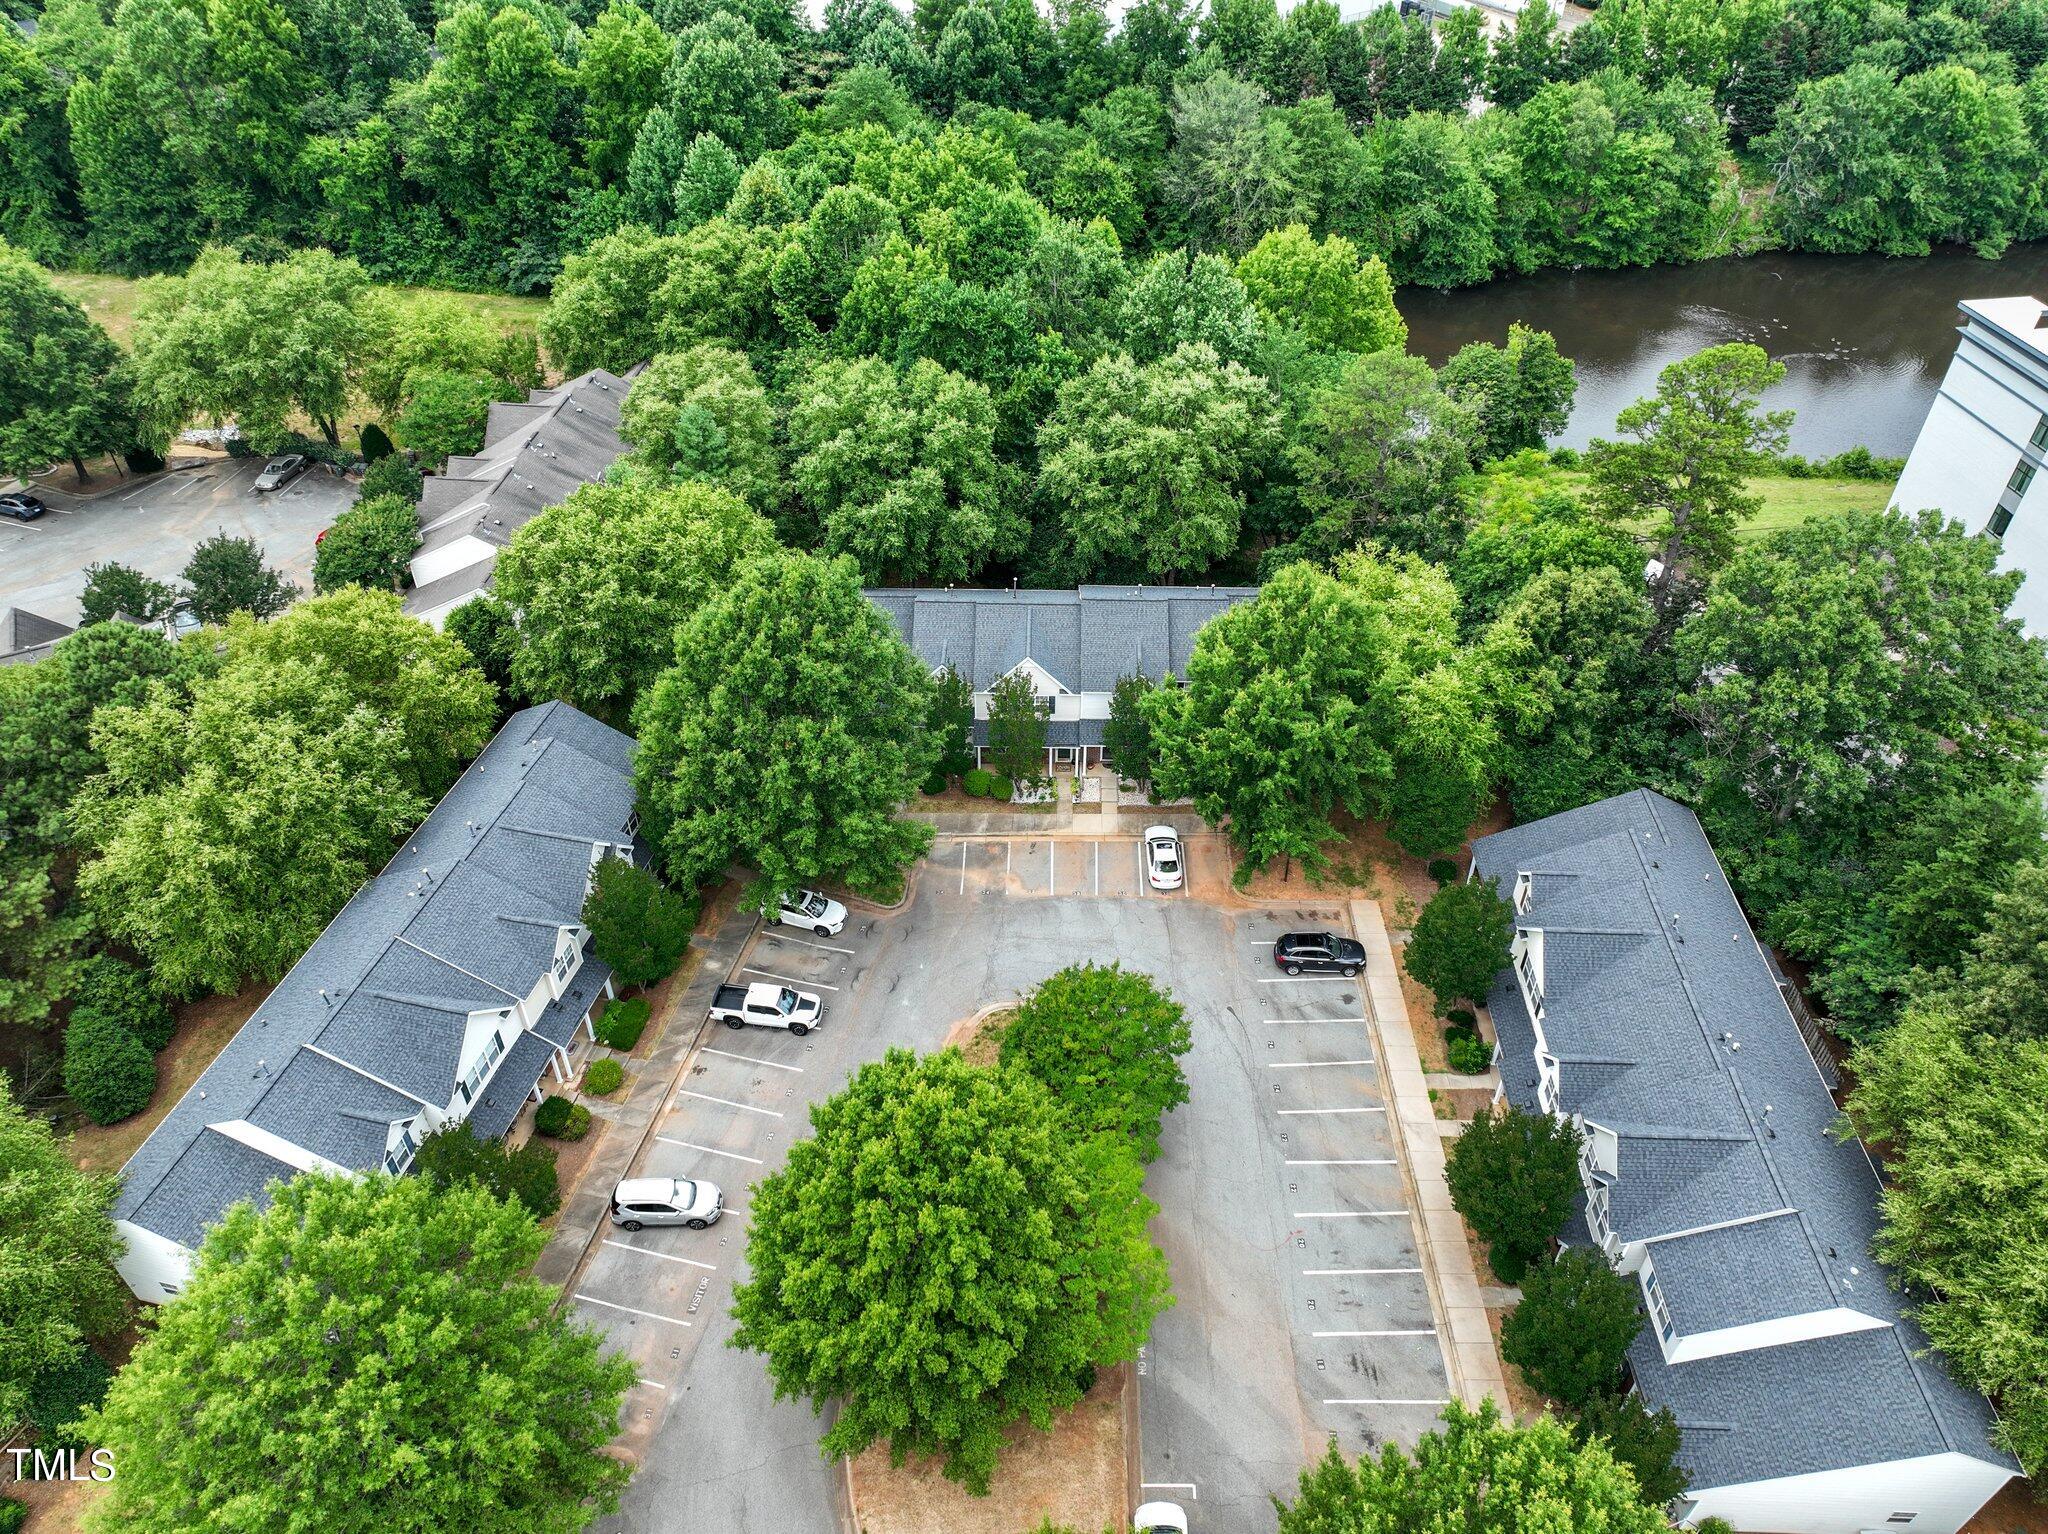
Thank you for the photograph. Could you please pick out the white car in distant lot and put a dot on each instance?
(1164, 866)
(808, 908)
(1160, 1518)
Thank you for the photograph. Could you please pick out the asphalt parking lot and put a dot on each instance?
(1301, 1312)
(154, 524)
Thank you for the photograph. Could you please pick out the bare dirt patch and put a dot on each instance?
(1074, 1475)
(1524, 1400)
(980, 1039)
(204, 1028)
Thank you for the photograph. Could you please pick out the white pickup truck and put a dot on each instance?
(763, 1005)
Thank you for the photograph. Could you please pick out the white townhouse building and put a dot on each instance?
(535, 454)
(1982, 450)
(444, 991)
(1073, 645)
(1640, 1005)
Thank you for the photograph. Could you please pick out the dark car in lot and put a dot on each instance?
(23, 508)
(1319, 953)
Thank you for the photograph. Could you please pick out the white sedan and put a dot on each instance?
(1164, 867)
(808, 908)
(1160, 1518)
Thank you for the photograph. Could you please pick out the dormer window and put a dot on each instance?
(1660, 1308)
(399, 1157)
(473, 1083)
(1525, 888)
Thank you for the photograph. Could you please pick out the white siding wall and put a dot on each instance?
(1943, 1490)
(154, 1266)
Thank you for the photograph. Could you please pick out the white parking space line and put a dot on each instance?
(648, 1251)
(755, 969)
(1007, 846)
(1373, 1161)
(963, 868)
(1349, 1214)
(1419, 1331)
(657, 1384)
(728, 1103)
(1052, 868)
(1186, 1486)
(1302, 979)
(1301, 1113)
(140, 490)
(1264, 942)
(629, 1310)
(773, 1065)
(1429, 1401)
(709, 1150)
(1098, 866)
(1354, 1272)
(1303, 1065)
(784, 937)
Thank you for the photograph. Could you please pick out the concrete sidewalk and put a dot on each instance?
(630, 1122)
(1470, 1355)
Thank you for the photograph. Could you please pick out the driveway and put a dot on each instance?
(154, 524)
(1302, 1310)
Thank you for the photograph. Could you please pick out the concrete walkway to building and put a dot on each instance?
(1468, 1345)
(629, 1122)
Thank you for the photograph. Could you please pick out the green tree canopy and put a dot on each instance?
(63, 391)
(900, 469)
(943, 1258)
(227, 575)
(1478, 1474)
(253, 341)
(260, 1387)
(445, 414)
(1147, 465)
(601, 582)
(792, 726)
(639, 927)
(701, 414)
(116, 590)
(455, 1155)
(1513, 1176)
(1460, 941)
(370, 544)
(1522, 391)
(39, 939)
(1324, 289)
(1107, 1043)
(1570, 1333)
(1684, 463)
(58, 1286)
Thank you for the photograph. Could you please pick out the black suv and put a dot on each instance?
(1321, 953)
(23, 508)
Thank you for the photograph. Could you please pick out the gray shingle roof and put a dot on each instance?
(27, 636)
(1671, 1031)
(1085, 638)
(511, 839)
(535, 453)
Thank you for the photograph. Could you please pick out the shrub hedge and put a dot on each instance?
(1469, 1054)
(108, 1071)
(1000, 788)
(603, 1077)
(1442, 871)
(935, 784)
(977, 782)
(560, 1119)
(121, 991)
(57, 1396)
(623, 1023)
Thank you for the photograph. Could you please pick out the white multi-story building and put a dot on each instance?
(1982, 450)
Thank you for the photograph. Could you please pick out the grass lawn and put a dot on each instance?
(1789, 502)
(113, 301)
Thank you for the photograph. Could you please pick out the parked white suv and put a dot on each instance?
(1160, 1518)
(808, 908)
(642, 1201)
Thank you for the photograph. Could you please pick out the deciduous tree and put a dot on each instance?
(943, 1257)
(1522, 391)
(639, 927)
(1571, 1332)
(1106, 1042)
(227, 575)
(260, 1387)
(792, 726)
(63, 392)
(1513, 1176)
(1460, 941)
(114, 590)
(370, 544)
(456, 1155)
(1323, 288)
(1016, 728)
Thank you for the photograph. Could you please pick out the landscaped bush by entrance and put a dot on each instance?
(1469, 1054)
(108, 1071)
(622, 1024)
(978, 782)
(603, 1077)
(560, 1119)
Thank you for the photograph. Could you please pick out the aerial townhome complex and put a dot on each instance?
(444, 991)
(1640, 1006)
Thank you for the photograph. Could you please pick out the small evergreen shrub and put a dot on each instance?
(978, 782)
(1000, 789)
(393, 474)
(935, 784)
(560, 1119)
(1469, 1054)
(1462, 1017)
(622, 1024)
(638, 925)
(108, 1071)
(57, 1396)
(376, 442)
(123, 992)
(603, 1077)
(1442, 871)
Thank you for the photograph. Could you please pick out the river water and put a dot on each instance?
(1864, 340)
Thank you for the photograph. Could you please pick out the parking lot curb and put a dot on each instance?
(1471, 1357)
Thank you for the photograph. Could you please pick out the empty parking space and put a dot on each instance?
(1063, 867)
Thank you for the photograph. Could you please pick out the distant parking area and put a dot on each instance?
(1302, 1309)
(154, 524)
